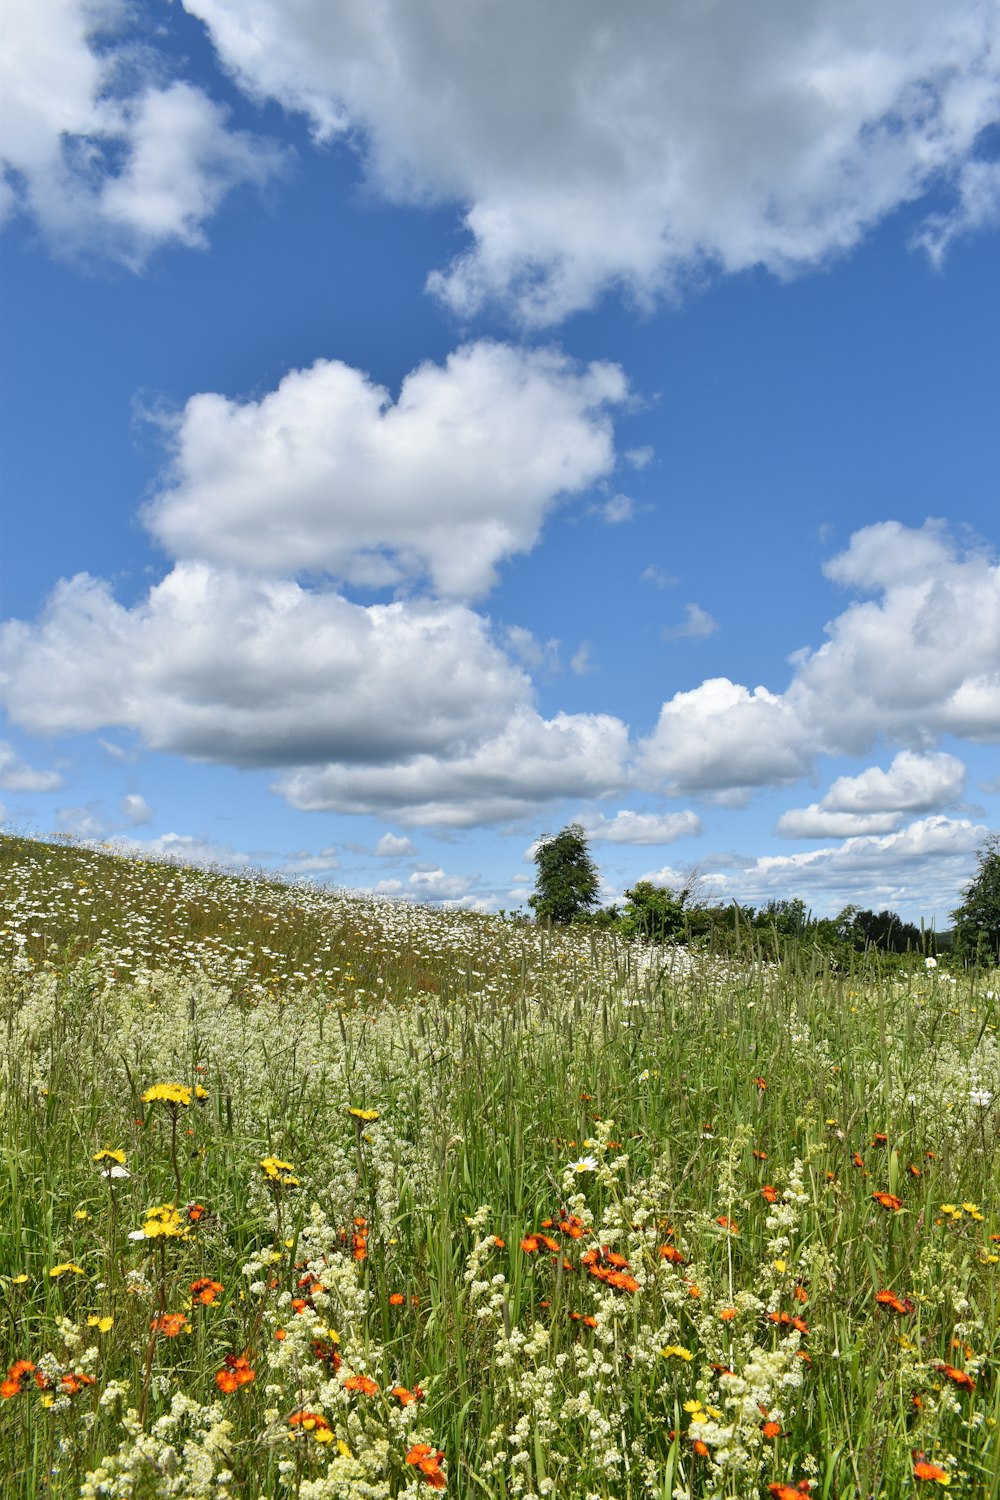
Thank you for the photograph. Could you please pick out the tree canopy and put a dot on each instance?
(977, 919)
(566, 883)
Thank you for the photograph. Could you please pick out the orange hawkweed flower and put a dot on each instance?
(206, 1291)
(363, 1383)
(727, 1224)
(761, 1083)
(311, 1421)
(769, 1193)
(529, 1244)
(672, 1254)
(73, 1381)
(857, 1159)
(573, 1226)
(170, 1324)
(236, 1371)
(728, 1314)
(759, 1155)
(880, 1138)
(13, 1385)
(405, 1397)
(922, 1469)
(396, 1299)
(701, 1447)
(957, 1377)
(786, 1491)
(428, 1461)
(914, 1170)
(889, 1201)
(888, 1298)
(771, 1429)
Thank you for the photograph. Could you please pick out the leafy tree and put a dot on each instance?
(654, 913)
(566, 883)
(884, 930)
(977, 920)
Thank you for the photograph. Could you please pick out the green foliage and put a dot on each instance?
(977, 919)
(654, 913)
(884, 930)
(567, 884)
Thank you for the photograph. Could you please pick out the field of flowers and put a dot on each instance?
(311, 1195)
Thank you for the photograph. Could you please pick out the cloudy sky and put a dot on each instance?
(428, 423)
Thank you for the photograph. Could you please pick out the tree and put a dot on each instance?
(977, 920)
(567, 884)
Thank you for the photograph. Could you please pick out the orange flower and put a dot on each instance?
(759, 1155)
(311, 1421)
(924, 1470)
(498, 1242)
(428, 1461)
(405, 1397)
(901, 1305)
(880, 1138)
(957, 1377)
(888, 1200)
(727, 1224)
(786, 1491)
(769, 1193)
(363, 1383)
(913, 1170)
(206, 1291)
(572, 1226)
(280, 1334)
(12, 1386)
(672, 1254)
(170, 1325)
(74, 1381)
(857, 1159)
(236, 1372)
(771, 1429)
(529, 1244)
(693, 1290)
(761, 1083)
(701, 1448)
(728, 1314)
(396, 1299)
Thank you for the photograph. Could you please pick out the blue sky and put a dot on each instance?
(421, 430)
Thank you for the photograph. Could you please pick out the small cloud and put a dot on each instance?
(657, 576)
(638, 457)
(15, 776)
(115, 751)
(616, 510)
(991, 787)
(302, 862)
(533, 653)
(136, 810)
(697, 625)
(394, 846)
(628, 827)
(580, 663)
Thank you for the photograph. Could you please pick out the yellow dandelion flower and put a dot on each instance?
(364, 1114)
(65, 1268)
(82, 1214)
(103, 1325)
(677, 1351)
(110, 1154)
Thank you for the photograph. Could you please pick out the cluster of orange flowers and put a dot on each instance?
(170, 1324)
(17, 1380)
(428, 1461)
(235, 1372)
(901, 1305)
(206, 1291)
(607, 1266)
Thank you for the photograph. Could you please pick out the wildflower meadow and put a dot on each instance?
(309, 1194)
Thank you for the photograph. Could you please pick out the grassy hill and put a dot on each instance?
(310, 1194)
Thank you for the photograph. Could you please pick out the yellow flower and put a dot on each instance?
(167, 1093)
(64, 1267)
(200, 1092)
(20, 1280)
(82, 1214)
(111, 1154)
(276, 1170)
(676, 1351)
(364, 1114)
(103, 1325)
(162, 1222)
(343, 1449)
(781, 1266)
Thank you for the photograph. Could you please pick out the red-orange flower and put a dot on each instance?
(672, 1254)
(922, 1469)
(769, 1193)
(786, 1491)
(236, 1371)
(771, 1429)
(170, 1324)
(701, 1448)
(206, 1291)
(888, 1298)
(405, 1397)
(13, 1385)
(573, 1226)
(759, 1155)
(396, 1299)
(761, 1083)
(728, 1314)
(529, 1244)
(363, 1383)
(957, 1377)
(727, 1224)
(889, 1201)
(428, 1461)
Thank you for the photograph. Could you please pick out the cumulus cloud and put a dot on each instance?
(394, 846)
(531, 761)
(301, 862)
(248, 671)
(136, 810)
(591, 147)
(920, 660)
(15, 776)
(101, 155)
(627, 827)
(877, 801)
(188, 849)
(327, 472)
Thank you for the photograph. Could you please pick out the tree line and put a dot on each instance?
(567, 890)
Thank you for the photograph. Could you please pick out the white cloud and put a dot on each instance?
(580, 663)
(394, 846)
(187, 849)
(657, 576)
(136, 810)
(617, 509)
(100, 159)
(978, 207)
(532, 652)
(593, 147)
(531, 761)
(15, 776)
(327, 472)
(301, 862)
(916, 870)
(877, 801)
(696, 626)
(920, 661)
(246, 671)
(627, 827)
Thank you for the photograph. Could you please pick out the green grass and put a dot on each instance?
(496, 1057)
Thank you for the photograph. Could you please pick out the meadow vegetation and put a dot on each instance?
(314, 1195)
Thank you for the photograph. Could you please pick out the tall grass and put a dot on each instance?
(607, 1213)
